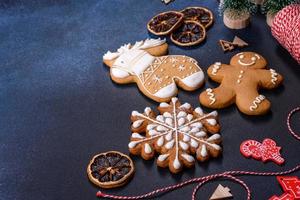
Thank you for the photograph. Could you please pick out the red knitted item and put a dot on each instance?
(286, 29)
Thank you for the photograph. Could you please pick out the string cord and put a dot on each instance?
(288, 122)
(202, 180)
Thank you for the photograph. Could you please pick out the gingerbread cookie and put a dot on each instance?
(240, 82)
(178, 132)
(157, 76)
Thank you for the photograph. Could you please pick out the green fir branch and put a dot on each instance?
(239, 6)
(273, 6)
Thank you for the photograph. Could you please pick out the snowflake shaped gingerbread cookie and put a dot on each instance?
(178, 132)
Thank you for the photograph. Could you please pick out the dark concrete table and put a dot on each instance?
(58, 106)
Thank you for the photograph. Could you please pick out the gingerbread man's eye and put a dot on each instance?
(253, 58)
(242, 56)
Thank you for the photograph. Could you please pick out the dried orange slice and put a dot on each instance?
(111, 169)
(188, 34)
(199, 14)
(164, 23)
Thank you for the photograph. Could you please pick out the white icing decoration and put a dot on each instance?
(181, 68)
(186, 138)
(274, 75)
(148, 43)
(163, 157)
(174, 100)
(197, 125)
(170, 144)
(200, 134)
(153, 132)
(189, 117)
(212, 122)
(137, 123)
(161, 128)
(215, 69)
(169, 136)
(194, 80)
(169, 121)
(163, 105)
(203, 152)
(151, 126)
(181, 121)
(211, 96)
(147, 111)
(215, 146)
(160, 118)
(240, 76)
(157, 79)
(119, 73)
(134, 62)
(214, 113)
(160, 141)
(194, 143)
(167, 91)
(181, 114)
(214, 137)
(194, 130)
(199, 111)
(136, 135)
(186, 106)
(256, 101)
(176, 164)
(188, 157)
(167, 114)
(183, 145)
(147, 148)
(185, 129)
(246, 64)
(135, 113)
(132, 144)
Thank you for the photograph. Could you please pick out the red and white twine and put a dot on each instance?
(202, 180)
(296, 135)
(286, 29)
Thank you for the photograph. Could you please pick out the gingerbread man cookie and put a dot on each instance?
(157, 76)
(240, 82)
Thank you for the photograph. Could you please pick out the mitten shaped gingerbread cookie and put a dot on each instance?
(157, 76)
(240, 82)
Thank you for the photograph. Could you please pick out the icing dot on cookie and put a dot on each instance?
(253, 58)
(218, 63)
(161, 70)
(242, 56)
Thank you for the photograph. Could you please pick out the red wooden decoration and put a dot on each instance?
(290, 186)
(265, 151)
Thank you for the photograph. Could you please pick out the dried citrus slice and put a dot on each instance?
(199, 14)
(110, 169)
(188, 34)
(164, 23)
